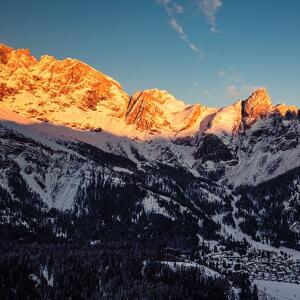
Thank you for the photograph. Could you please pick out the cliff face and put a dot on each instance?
(258, 105)
(69, 92)
(158, 111)
(283, 109)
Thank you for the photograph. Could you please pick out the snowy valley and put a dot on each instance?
(80, 159)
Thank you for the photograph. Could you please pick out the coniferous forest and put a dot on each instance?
(123, 270)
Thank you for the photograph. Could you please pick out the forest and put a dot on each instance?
(105, 270)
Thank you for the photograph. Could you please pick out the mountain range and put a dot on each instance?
(82, 159)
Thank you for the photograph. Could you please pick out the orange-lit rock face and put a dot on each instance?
(4, 54)
(16, 58)
(258, 105)
(49, 86)
(71, 93)
(157, 111)
(282, 109)
(144, 113)
(6, 91)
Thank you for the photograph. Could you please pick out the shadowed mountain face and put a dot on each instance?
(81, 158)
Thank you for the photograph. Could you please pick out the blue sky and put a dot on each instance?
(207, 51)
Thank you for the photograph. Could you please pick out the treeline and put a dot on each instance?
(269, 210)
(103, 271)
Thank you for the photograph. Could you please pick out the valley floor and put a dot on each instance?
(279, 290)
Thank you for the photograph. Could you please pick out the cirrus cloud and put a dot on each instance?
(173, 9)
(233, 91)
(174, 24)
(209, 8)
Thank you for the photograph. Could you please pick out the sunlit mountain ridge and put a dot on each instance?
(71, 93)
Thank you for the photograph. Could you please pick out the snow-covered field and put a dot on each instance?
(185, 265)
(279, 290)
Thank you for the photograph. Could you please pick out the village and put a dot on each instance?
(260, 265)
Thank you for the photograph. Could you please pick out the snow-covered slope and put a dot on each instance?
(66, 92)
(73, 94)
(72, 139)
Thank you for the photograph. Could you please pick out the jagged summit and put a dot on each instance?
(157, 111)
(71, 93)
(67, 92)
(282, 109)
(260, 97)
(16, 58)
(258, 105)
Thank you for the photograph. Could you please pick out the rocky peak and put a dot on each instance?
(157, 111)
(4, 53)
(145, 112)
(16, 58)
(66, 91)
(258, 105)
(282, 109)
(72, 93)
(162, 97)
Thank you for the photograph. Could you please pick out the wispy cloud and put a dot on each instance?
(178, 8)
(174, 24)
(233, 91)
(209, 8)
(163, 2)
(193, 47)
(173, 9)
(221, 73)
(236, 86)
(171, 6)
(230, 77)
(203, 90)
